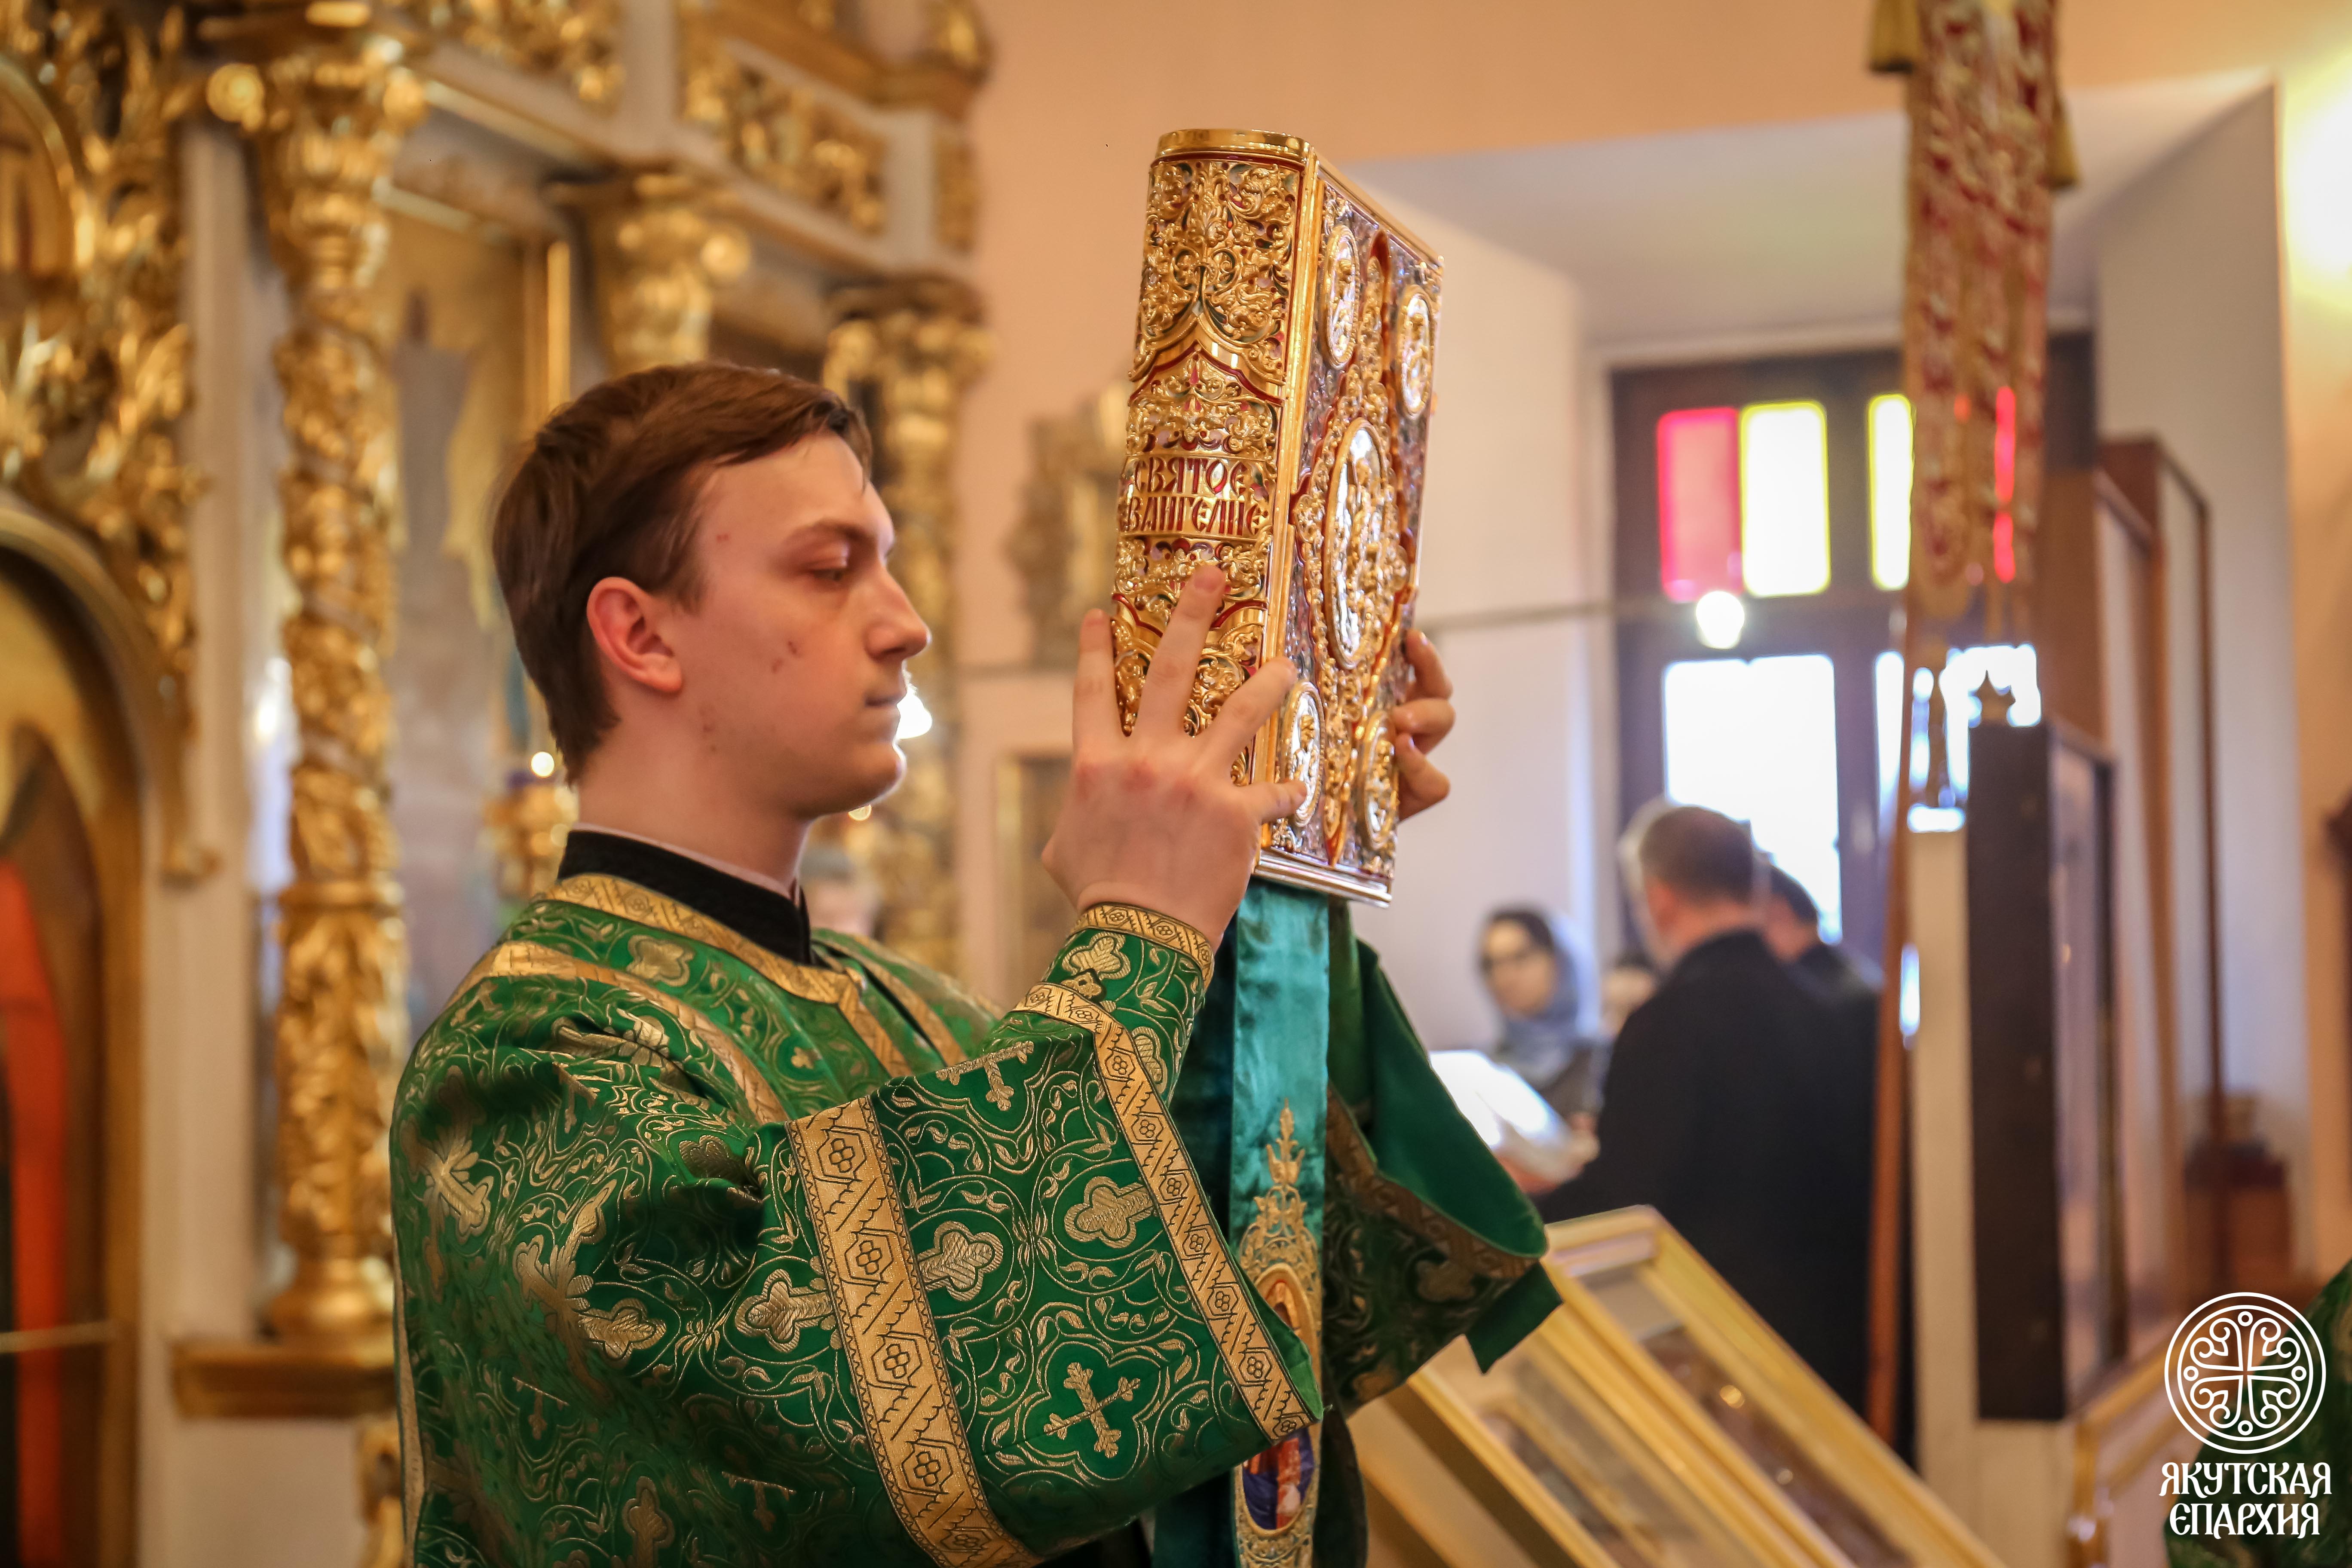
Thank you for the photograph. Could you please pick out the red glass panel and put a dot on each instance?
(1698, 502)
(2004, 449)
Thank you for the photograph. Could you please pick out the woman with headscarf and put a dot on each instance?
(1531, 970)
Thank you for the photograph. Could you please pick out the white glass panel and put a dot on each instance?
(1757, 741)
(1784, 498)
(1890, 489)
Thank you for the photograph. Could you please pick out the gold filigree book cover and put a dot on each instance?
(1279, 425)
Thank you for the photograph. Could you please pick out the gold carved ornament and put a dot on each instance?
(577, 40)
(326, 109)
(1356, 572)
(660, 255)
(907, 352)
(784, 135)
(93, 354)
(1063, 544)
(955, 189)
(1284, 367)
(1987, 147)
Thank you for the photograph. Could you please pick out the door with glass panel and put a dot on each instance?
(1762, 542)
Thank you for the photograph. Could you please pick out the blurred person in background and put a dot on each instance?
(1723, 1104)
(1530, 969)
(1792, 929)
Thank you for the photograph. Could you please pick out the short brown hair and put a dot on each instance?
(1702, 854)
(607, 488)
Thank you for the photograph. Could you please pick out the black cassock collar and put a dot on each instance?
(764, 916)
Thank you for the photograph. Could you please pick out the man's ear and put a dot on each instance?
(626, 622)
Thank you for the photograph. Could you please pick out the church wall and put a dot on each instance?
(2191, 349)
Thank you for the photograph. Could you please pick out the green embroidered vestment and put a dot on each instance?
(705, 1255)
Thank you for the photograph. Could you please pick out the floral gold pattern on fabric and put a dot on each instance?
(1080, 1382)
(613, 896)
(924, 1017)
(893, 1347)
(1279, 1255)
(1402, 1277)
(630, 1305)
(520, 958)
(1284, 362)
(1109, 1212)
(1216, 1285)
(1165, 929)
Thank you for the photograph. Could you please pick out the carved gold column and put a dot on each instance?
(909, 350)
(660, 256)
(325, 100)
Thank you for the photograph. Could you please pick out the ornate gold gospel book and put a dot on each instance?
(1279, 424)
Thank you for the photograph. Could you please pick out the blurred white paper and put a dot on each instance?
(1509, 1116)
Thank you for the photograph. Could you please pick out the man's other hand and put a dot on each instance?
(1418, 724)
(1154, 818)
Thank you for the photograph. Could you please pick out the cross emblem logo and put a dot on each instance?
(1082, 1383)
(2244, 1372)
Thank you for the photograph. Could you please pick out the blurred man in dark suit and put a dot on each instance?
(1729, 1105)
(1792, 929)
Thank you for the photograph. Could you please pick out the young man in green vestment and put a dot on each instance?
(723, 1241)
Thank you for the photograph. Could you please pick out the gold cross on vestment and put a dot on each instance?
(759, 1491)
(999, 1093)
(1082, 1383)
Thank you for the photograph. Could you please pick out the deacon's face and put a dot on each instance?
(794, 656)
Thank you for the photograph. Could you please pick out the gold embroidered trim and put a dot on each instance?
(513, 960)
(1166, 930)
(884, 1327)
(927, 1022)
(1216, 1284)
(1352, 1160)
(613, 896)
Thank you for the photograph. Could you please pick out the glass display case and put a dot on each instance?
(1653, 1422)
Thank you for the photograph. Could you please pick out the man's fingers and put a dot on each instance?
(1274, 800)
(1168, 687)
(1428, 720)
(1420, 782)
(1251, 705)
(1429, 678)
(1094, 708)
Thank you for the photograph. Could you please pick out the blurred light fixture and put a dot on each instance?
(914, 718)
(860, 813)
(1721, 617)
(542, 764)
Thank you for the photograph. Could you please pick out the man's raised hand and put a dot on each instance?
(1154, 818)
